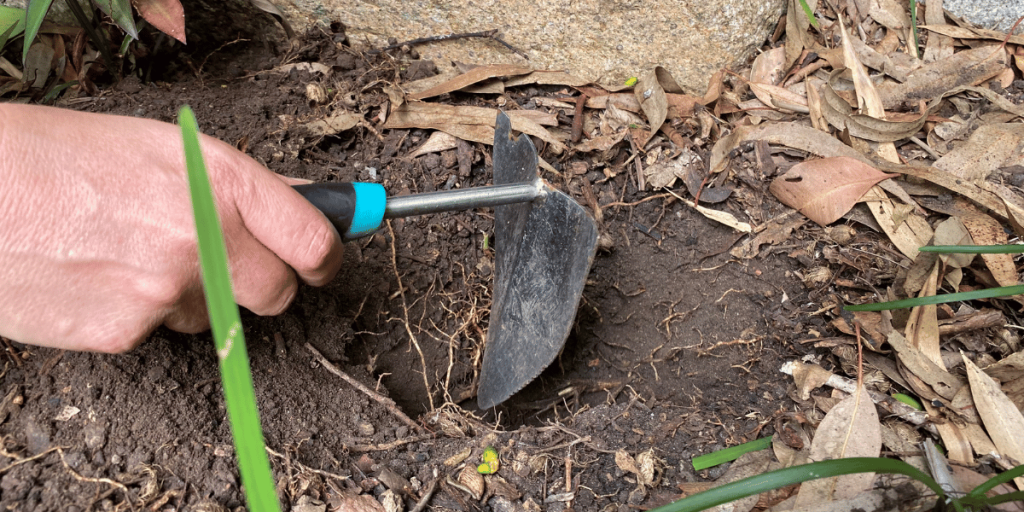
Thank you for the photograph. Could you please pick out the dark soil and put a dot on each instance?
(642, 369)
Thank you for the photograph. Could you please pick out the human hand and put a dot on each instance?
(97, 239)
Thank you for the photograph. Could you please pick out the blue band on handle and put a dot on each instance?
(370, 202)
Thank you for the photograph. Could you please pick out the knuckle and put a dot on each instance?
(318, 242)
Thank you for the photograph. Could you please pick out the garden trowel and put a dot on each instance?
(544, 245)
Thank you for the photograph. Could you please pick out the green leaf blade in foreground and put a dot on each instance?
(975, 249)
(1001, 478)
(227, 329)
(35, 11)
(729, 454)
(794, 475)
(987, 293)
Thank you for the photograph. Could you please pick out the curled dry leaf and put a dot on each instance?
(472, 481)
(825, 189)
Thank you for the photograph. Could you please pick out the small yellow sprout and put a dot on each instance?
(491, 463)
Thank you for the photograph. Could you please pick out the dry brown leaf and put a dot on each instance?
(839, 114)
(336, 123)
(476, 75)
(357, 503)
(850, 429)
(958, 447)
(889, 13)
(1003, 421)
(906, 229)
(1014, 207)
(825, 189)
(971, 33)
(922, 330)
(867, 97)
(964, 68)
(778, 97)
(985, 230)
(943, 383)
(809, 377)
(792, 135)
(797, 37)
(437, 142)
(1008, 368)
(650, 91)
(474, 124)
(721, 217)
(769, 67)
(544, 77)
(939, 46)
(990, 147)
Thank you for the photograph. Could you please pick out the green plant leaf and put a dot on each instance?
(975, 249)
(227, 329)
(987, 293)
(121, 12)
(34, 13)
(794, 475)
(1001, 478)
(809, 13)
(12, 22)
(1005, 498)
(729, 454)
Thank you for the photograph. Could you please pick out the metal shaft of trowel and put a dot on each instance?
(465, 199)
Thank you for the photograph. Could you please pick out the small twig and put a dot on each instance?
(405, 310)
(387, 446)
(383, 400)
(487, 34)
(303, 467)
(429, 493)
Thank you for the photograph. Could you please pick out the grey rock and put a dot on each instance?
(994, 14)
(606, 42)
(37, 434)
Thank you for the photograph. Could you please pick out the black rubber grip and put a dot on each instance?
(336, 200)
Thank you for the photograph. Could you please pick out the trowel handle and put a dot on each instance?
(355, 209)
(358, 209)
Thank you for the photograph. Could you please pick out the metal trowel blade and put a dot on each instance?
(543, 253)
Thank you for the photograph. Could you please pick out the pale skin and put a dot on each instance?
(97, 239)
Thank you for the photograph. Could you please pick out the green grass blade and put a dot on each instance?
(730, 454)
(809, 13)
(1004, 498)
(976, 249)
(988, 293)
(794, 475)
(227, 329)
(1001, 478)
(35, 11)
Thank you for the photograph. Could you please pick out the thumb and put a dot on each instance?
(281, 219)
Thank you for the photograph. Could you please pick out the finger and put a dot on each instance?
(262, 282)
(279, 217)
(189, 314)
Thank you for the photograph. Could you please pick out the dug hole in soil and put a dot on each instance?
(675, 351)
